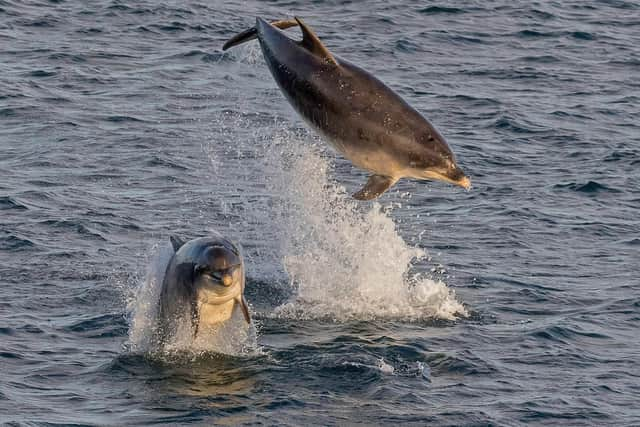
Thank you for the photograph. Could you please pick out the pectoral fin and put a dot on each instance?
(244, 307)
(375, 186)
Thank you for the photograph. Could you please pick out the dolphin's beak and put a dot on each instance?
(464, 182)
(456, 178)
(227, 279)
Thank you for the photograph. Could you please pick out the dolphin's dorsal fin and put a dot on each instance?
(176, 242)
(312, 43)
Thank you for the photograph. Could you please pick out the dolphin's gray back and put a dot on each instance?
(345, 102)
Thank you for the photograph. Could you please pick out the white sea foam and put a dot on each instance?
(384, 367)
(143, 303)
(345, 259)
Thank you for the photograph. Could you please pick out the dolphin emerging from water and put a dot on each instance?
(203, 285)
(360, 116)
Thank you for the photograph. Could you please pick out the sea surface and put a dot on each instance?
(515, 303)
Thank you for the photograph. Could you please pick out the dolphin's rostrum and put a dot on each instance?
(360, 116)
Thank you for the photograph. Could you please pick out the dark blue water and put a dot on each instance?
(515, 303)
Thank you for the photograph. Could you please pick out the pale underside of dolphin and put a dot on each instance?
(360, 116)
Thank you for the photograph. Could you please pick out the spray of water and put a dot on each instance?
(342, 259)
(345, 259)
(143, 303)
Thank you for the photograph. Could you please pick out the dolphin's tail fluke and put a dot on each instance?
(252, 33)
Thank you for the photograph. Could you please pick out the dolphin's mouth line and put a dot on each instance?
(205, 296)
(463, 182)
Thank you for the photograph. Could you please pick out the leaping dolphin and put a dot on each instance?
(360, 116)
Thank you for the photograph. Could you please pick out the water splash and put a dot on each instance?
(344, 259)
(143, 303)
(233, 337)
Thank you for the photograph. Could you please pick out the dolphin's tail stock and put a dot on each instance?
(252, 33)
